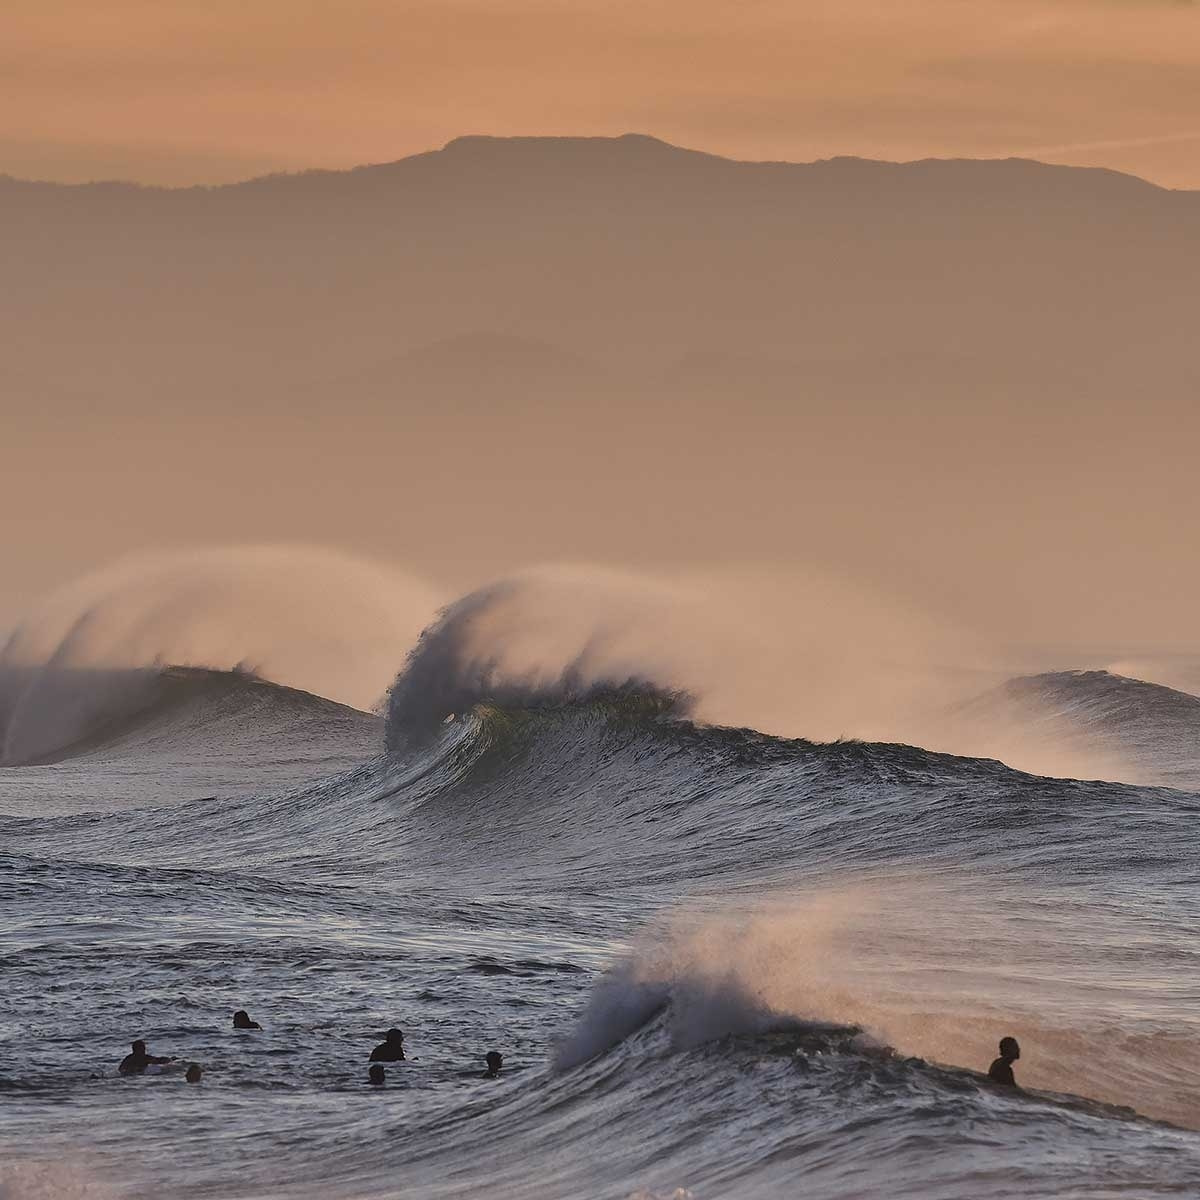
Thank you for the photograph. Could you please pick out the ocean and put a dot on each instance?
(717, 963)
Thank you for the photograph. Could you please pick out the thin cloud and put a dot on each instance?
(1161, 139)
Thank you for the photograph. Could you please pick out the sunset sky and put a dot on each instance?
(170, 92)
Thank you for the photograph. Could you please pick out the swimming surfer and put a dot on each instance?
(376, 1074)
(139, 1060)
(1001, 1070)
(241, 1020)
(494, 1060)
(193, 1073)
(391, 1049)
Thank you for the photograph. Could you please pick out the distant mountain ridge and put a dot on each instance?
(588, 152)
(542, 239)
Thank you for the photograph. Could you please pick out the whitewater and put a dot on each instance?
(718, 962)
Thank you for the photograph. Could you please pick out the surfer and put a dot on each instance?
(193, 1073)
(1001, 1070)
(494, 1060)
(391, 1049)
(241, 1020)
(376, 1074)
(139, 1060)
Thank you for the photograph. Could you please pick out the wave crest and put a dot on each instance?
(495, 646)
(895, 961)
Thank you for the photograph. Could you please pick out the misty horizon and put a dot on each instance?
(629, 135)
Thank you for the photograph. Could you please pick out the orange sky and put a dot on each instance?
(177, 92)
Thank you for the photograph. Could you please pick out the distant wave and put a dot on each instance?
(1102, 698)
(1089, 724)
(52, 713)
(315, 619)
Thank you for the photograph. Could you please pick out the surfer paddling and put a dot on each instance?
(391, 1049)
(1001, 1070)
(136, 1062)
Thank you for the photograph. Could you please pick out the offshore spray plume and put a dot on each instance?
(528, 641)
(314, 619)
(797, 652)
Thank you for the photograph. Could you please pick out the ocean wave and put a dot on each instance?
(890, 965)
(318, 620)
(1087, 724)
(608, 777)
(459, 663)
(55, 713)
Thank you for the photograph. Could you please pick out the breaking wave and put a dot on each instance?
(484, 650)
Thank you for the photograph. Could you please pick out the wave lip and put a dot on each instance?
(464, 660)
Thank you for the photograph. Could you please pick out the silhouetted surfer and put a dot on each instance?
(241, 1020)
(391, 1049)
(376, 1075)
(139, 1060)
(1001, 1070)
(193, 1073)
(494, 1060)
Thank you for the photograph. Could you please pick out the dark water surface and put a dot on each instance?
(718, 964)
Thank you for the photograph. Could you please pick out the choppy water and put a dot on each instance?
(718, 964)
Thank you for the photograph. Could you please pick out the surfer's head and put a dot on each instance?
(376, 1074)
(394, 1037)
(241, 1019)
(1009, 1050)
(494, 1060)
(193, 1073)
(139, 1047)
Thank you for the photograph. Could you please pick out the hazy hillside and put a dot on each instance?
(629, 246)
(617, 348)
